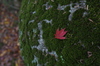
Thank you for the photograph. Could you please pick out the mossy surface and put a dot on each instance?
(82, 44)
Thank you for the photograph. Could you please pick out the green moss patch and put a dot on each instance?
(82, 44)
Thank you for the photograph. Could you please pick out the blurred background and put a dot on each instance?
(9, 45)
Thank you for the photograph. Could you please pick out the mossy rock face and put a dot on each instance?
(39, 20)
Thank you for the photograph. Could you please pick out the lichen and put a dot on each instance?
(41, 41)
(47, 6)
(34, 12)
(31, 21)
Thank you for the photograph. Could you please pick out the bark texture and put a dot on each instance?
(39, 20)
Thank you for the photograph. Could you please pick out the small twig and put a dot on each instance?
(91, 20)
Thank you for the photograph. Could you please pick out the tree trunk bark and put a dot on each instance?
(41, 19)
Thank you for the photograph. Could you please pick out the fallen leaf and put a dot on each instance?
(3, 53)
(60, 34)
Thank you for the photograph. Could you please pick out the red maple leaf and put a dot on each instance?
(60, 34)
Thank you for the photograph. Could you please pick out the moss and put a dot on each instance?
(83, 34)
